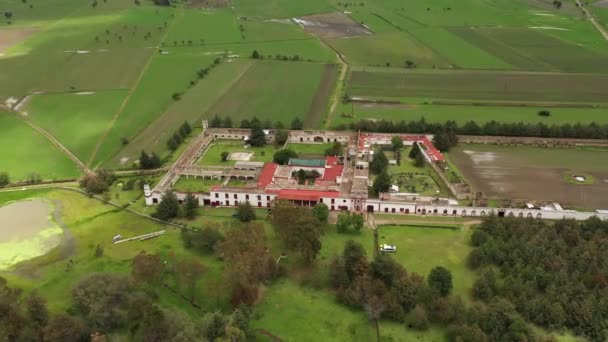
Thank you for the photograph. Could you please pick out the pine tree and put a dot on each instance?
(382, 183)
(144, 160)
(191, 204)
(168, 207)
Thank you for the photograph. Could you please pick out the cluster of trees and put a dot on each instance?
(248, 262)
(149, 161)
(555, 274)
(335, 150)
(99, 182)
(379, 166)
(557, 4)
(492, 128)
(170, 208)
(349, 223)
(298, 229)
(178, 137)
(217, 122)
(202, 240)
(305, 176)
(257, 55)
(445, 139)
(384, 289)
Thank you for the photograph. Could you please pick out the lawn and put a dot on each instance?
(469, 87)
(387, 49)
(26, 151)
(213, 154)
(195, 184)
(310, 149)
(76, 120)
(264, 88)
(420, 249)
(414, 110)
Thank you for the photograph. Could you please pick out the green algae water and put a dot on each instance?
(27, 230)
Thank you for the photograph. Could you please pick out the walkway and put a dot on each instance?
(589, 16)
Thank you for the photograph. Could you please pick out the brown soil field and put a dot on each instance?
(332, 25)
(535, 174)
(10, 36)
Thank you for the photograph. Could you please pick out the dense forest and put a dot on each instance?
(555, 274)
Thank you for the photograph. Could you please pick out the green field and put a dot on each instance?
(195, 184)
(260, 90)
(310, 149)
(213, 154)
(27, 151)
(387, 49)
(280, 8)
(416, 109)
(77, 120)
(472, 86)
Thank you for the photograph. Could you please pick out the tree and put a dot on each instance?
(281, 137)
(414, 151)
(382, 183)
(96, 183)
(355, 260)
(306, 237)
(379, 162)
(147, 268)
(213, 326)
(168, 207)
(147, 161)
(396, 143)
(37, 313)
(4, 179)
(348, 222)
(216, 122)
(321, 212)
(418, 318)
(445, 139)
(63, 328)
(190, 205)
(282, 157)
(103, 300)
(248, 262)
(296, 124)
(544, 112)
(245, 212)
(255, 54)
(419, 160)
(225, 156)
(440, 279)
(188, 272)
(257, 137)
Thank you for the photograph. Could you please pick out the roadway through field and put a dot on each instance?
(589, 16)
(126, 100)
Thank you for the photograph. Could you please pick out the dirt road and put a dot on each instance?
(589, 16)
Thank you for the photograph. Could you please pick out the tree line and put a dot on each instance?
(491, 128)
(217, 122)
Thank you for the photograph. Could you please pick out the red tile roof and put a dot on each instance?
(306, 195)
(432, 151)
(267, 175)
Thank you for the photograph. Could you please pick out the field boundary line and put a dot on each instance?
(53, 140)
(132, 91)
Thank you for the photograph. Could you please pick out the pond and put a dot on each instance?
(27, 230)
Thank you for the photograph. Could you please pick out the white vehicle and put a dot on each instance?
(388, 248)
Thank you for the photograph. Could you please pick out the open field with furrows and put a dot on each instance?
(278, 91)
(531, 173)
(529, 49)
(477, 86)
(26, 151)
(415, 109)
(77, 120)
(192, 107)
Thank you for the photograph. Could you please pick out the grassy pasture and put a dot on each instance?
(195, 184)
(393, 48)
(280, 8)
(77, 121)
(40, 13)
(482, 86)
(26, 151)
(310, 149)
(193, 106)
(274, 91)
(463, 113)
(529, 49)
(203, 27)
